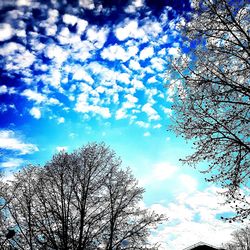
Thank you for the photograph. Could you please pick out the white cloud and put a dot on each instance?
(107, 76)
(131, 98)
(152, 28)
(103, 111)
(17, 58)
(162, 52)
(56, 53)
(135, 4)
(83, 106)
(157, 126)
(69, 19)
(130, 103)
(152, 79)
(55, 80)
(146, 53)
(12, 162)
(174, 52)
(50, 29)
(37, 97)
(53, 101)
(33, 96)
(11, 48)
(9, 141)
(132, 51)
(60, 120)
(23, 3)
(35, 112)
(115, 97)
(167, 111)
(81, 25)
(3, 89)
(100, 89)
(120, 114)
(117, 52)
(129, 29)
(97, 36)
(146, 134)
(135, 65)
(158, 64)
(61, 148)
(138, 3)
(81, 74)
(188, 182)
(25, 59)
(137, 84)
(193, 218)
(151, 112)
(159, 172)
(87, 4)
(163, 171)
(66, 37)
(6, 31)
(142, 124)
(123, 77)
(10, 90)
(82, 50)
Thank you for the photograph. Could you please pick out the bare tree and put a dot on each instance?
(212, 99)
(240, 241)
(21, 207)
(82, 200)
(2, 210)
(123, 201)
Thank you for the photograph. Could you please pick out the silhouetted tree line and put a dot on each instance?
(79, 200)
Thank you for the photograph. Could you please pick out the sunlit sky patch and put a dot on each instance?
(79, 71)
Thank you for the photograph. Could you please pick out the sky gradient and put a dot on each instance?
(97, 71)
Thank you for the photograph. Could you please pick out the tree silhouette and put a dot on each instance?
(82, 200)
(211, 79)
(240, 240)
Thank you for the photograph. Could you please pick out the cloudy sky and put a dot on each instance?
(80, 71)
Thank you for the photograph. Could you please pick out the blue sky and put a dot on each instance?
(82, 72)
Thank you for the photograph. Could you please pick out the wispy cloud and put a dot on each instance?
(10, 141)
(159, 172)
(12, 162)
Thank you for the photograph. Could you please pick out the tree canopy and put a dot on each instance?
(212, 90)
(240, 240)
(79, 200)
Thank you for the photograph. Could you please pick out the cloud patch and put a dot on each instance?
(147, 52)
(117, 52)
(160, 172)
(193, 218)
(36, 113)
(10, 141)
(61, 148)
(6, 32)
(12, 162)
